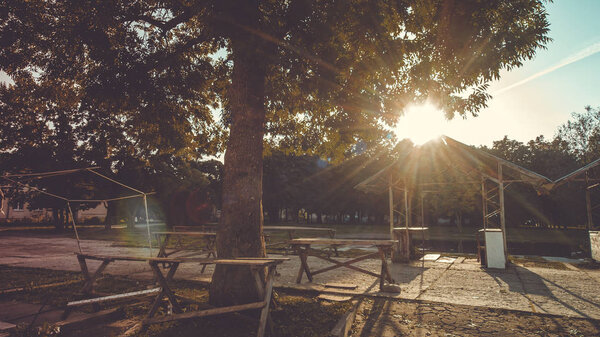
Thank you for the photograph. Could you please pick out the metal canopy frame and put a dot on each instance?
(590, 184)
(13, 178)
(495, 174)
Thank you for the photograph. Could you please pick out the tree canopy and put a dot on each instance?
(305, 75)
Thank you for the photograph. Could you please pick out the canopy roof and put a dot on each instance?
(573, 175)
(446, 153)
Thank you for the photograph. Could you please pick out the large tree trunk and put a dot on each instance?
(240, 228)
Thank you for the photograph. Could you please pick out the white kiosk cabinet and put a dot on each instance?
(494, 248)
(595, 244)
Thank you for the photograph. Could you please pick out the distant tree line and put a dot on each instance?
(299, 188)
(310, 189)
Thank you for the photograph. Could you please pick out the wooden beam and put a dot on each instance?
(391, 203)
(204, 313)
(113, 297)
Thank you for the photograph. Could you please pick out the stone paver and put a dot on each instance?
(561, 292)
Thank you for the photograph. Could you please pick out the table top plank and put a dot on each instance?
(344, 242)
(250, 262)
(113, 257)
(235, 261)
(412, 229)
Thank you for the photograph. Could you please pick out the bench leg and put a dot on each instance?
(162, 250)
(88, 285)
(268, 290)
(165, 290)
(303, 254)
(332, 235)
(385, 272)
(210, 245)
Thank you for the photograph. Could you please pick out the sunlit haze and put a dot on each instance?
(540, 96)
(421, 123)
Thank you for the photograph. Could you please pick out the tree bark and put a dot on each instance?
(241, 225)
(57, 214)
(459, 222)
(110, 215)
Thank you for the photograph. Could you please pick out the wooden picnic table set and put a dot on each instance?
(302, 246)
(257, 266)
(170, 258)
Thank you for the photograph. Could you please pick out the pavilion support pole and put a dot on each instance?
(588, 202)
(502, 216)
(422, 210)
(401, 250)
(483, 202)
(391, 201)
(74, 226)
(406, 205)
(148, 224)
(396, 247)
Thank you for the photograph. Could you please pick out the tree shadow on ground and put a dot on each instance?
(378, 318)
(527, 283)
(404, 273)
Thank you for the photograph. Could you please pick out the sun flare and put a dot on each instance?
(421, 123)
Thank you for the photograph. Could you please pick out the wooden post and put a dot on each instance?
(396, 250)
(406, 205)
(588, 202)
(148, 225)
(422, 210)
(391, 201)
(502, 217)
(407, 222)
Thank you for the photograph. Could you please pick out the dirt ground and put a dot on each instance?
(388, 318)
(525, 299)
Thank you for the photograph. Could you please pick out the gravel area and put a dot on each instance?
(571, 292)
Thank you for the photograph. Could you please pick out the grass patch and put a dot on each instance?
(589, 265)
(19, 277)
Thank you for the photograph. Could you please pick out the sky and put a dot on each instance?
(538, 97)
(541, 95)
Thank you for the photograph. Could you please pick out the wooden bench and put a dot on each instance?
(292, 230)
(87, 291)
(264, 288)
(209, 249)
(404, 235)
(302, 247)
(256, 265)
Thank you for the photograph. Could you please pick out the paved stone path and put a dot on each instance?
(561, 292)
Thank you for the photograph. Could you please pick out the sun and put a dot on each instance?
(421, 123)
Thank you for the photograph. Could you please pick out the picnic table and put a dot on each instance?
(291, 231)
(404, 235)
(302, 247)
(257, 266)
(209, 238)
(264, 288)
